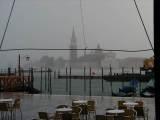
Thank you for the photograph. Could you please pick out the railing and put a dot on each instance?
(98, 82)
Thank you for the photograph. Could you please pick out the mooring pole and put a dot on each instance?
(102, 82)
(41, 80)
(19, 65)
(66, 80)
(90, 87)
(84, 77)
(70, 85)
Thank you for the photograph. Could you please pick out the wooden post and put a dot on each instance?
(111, 80)
(140, 80)
(9, 71)
(111, 88)
(15, 71)
(23, 80)
(50, 81)
(54, 78)
(70, 85)
(90, 86)
(110, 68)
(32, 79)
(19, 65)
(122, 70)
(102, 82)
(123, 79)
(45, 79)
(66, 80)
(41, 80)
(132, 70)
(84, 75)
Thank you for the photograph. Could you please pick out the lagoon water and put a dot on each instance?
(81, 86)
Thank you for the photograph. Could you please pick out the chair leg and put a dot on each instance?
(21, 113)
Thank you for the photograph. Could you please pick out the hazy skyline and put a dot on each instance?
(113, 24)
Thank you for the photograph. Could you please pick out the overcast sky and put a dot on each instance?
(114, 24)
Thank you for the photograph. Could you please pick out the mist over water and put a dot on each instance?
(48, 24)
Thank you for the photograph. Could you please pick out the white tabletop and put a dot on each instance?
(63, 109)
(80, 101)
(115, 111)
(130, 103)
(6, 100)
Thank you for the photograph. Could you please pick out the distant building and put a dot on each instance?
(110, 60)
(73, 46)
(130, 62)
(96, 59)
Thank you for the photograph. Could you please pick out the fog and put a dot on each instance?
(114, 24)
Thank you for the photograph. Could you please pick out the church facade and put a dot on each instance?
(95, 59)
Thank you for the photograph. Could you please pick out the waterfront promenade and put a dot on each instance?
(31, 104)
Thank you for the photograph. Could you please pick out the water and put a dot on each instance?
(61, 86)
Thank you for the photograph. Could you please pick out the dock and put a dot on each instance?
(115, 77)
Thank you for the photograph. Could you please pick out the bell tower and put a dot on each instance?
(73, 47)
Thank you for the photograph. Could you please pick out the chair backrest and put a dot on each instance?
(84, 109)
(91, 105)
(120, 104)
(140, 103)
(76, 109)
(4, 106)
(62, 106)
(74, 104)
(17, 103)
(43, 115)
(58, 116)
(130, 113)
(139, 109)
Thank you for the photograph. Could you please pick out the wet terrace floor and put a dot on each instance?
(31, 104)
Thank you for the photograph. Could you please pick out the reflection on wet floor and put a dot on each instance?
(32, 104)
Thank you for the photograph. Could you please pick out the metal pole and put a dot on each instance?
(157, 57)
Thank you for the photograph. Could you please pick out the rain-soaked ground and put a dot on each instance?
(31, 104)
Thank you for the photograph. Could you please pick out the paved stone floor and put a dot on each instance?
(31, 104)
